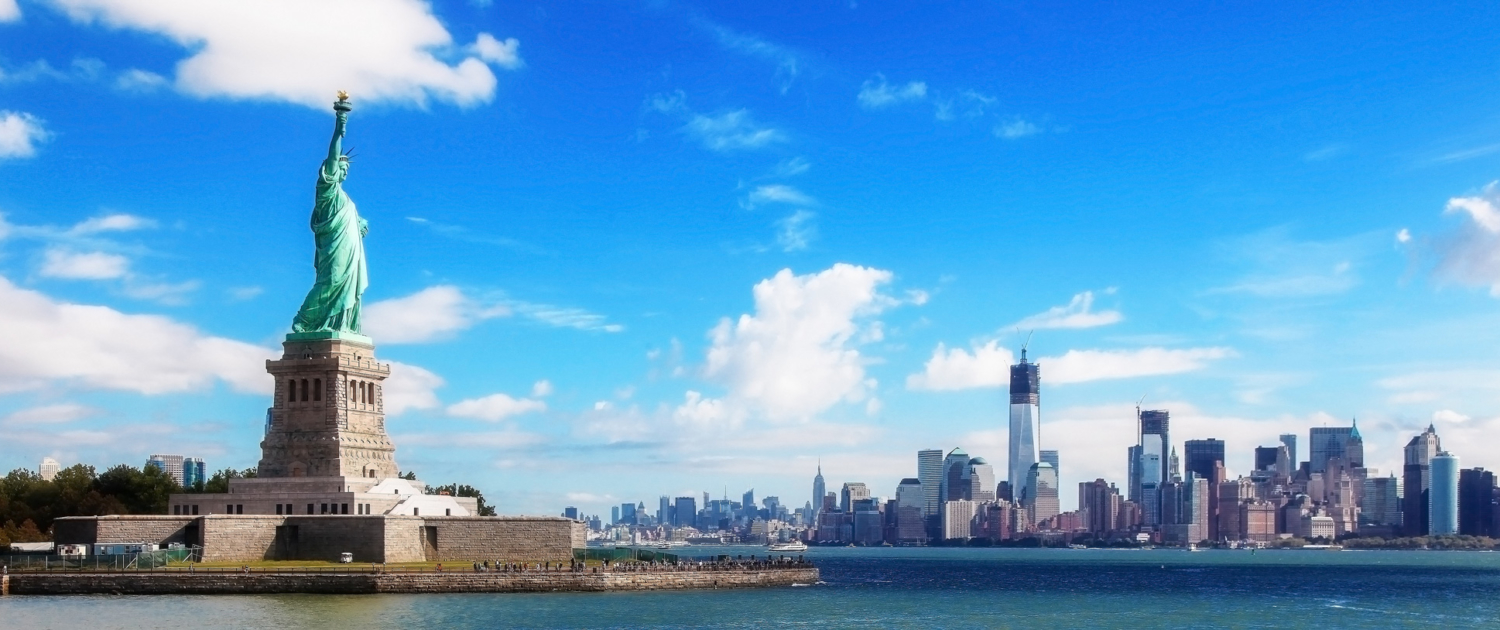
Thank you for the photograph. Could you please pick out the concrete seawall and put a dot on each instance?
(231, 583)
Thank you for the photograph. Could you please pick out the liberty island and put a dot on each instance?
(328, 488)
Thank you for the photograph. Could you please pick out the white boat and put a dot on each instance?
(795, 546)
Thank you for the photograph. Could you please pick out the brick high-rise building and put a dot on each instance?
(1416, 479)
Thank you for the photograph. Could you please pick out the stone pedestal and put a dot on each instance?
(328, 416)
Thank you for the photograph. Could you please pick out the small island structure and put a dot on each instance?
(328, 488)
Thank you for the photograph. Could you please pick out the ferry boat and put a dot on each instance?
(795, 546)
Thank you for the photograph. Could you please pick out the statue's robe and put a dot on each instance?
(333, 304)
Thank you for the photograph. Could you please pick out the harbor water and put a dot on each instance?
(903, 588)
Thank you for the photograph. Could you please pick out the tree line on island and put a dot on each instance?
(30, 504)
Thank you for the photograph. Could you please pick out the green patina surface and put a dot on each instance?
(333, 303)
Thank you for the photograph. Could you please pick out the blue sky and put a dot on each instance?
(627, 249)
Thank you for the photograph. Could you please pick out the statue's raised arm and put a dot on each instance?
(333, 304)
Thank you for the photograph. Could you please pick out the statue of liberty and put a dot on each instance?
(333, 303)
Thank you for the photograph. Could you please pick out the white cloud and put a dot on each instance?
(430, 314)
(1470, 255)
(732, 131)
(504, 54)
(1449, 416)
(989, 366)
(541, 389)
(795, 356)
(1078, 366)
(49, 414)
(118, 222)
(1016, 129)
(876, 93)
(300, 52)
(495, 407)
(956, 368)
(1403, 236)
(138, 80)
(778, 193)
(43, 340)
(1481, 208)
(409, 387)
(795, 231)
(9, 11)
(1078, 313)
(61, 263)
(20, 132)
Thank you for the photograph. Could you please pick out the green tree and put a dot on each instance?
(218, 483)
(459, 490)
(141, 491)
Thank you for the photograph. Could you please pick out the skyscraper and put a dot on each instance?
(664, 511)
(1025, 420)
(48, 469)
(627, 513)
(1416, 479)
(1476, 502)
(818, 491)
(170, 464)
(685, 512)
(1325, 443)
(981, 480)
(194, 471)
(930, 473)
(853, 491)
(1265, 457)
(956, 476)
(1151, 465)
(1443, 495)
(1290, 440)
(1201, 455)
(1051, 458)
(1041, 492)
(747, 504)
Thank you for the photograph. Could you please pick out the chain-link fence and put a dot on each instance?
(105, 562)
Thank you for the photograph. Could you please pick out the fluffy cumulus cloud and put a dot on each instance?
(9, 11)
(877, 93)
(495, 407)
(988, 365)
(46, 341)
(20, 133)
(1470, 255)
(300, 52)
(796, 355)
(1078, 313)
(427, 315)
(410, 387)
(957, 368)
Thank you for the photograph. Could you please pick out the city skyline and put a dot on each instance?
(753, 244)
